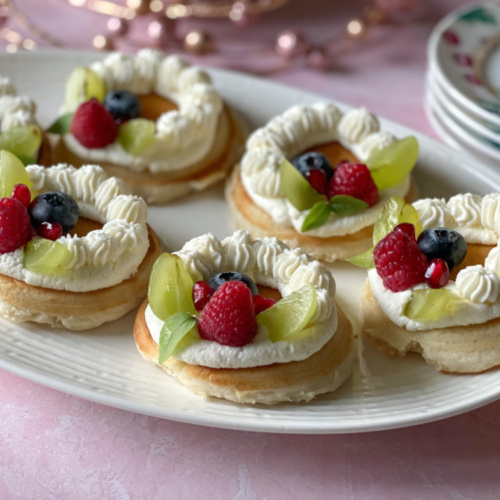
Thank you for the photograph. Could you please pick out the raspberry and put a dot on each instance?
(407, 228)
(49, 230)
(93, 125)
(202, 292)
(15, 225)
(229, 316)
(261, 303)
(318, 180)
(399, 261)
(353, 179)
(21, 192)
(437, 274)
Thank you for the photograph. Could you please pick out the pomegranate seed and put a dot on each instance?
(49, 230)
(318, 180)
(406, 228)
(202, 292)
(21, 193)
(437, 274)
(261, 304)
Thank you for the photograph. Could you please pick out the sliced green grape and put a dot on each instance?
(82, 85)
(170, 287)
(12, 172)
(22, 141)
(432, 304)
(46, 257)
(289, 315)
(137, 135)
(392, 164)
(297, 189)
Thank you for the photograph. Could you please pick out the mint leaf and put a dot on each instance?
(343, 204)
(364, 259)
(174, 330)
(62, 125)
(317, 216)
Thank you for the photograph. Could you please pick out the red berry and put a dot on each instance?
(261, 304)
(202, 292)
(15, 225)
(407, 228)
(21, 192)
(353, 179)
(93, 125)
(229, 316)
(49, 230)
(437, 274)
(318, 180)
(399, 261)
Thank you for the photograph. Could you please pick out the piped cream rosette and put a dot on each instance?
(271, 263)
(286, 136)
(117, 255)
(475, 309)
(15, 111)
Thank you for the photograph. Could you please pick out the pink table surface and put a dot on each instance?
(53, 445)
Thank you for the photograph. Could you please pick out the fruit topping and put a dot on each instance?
(443, 243)
(49, 230)
(54, 206)
(12, 172)
(437, 274)
(406, 228)
(353, 179)
(261, 303)
(229, 316)
(93, 125)
(318, 180)
(122, 105)
(316, 168)
(24, 142)
(46, 257)
(15, 225)
(399, 261)
(390, 165)
(22, 193)
(137, 135)
(290, 315)
(202, 292)
(427, 304)
(82, 85)
(218, 279)
(170, 287)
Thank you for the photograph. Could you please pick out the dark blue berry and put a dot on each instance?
(313, 161)
(218, 279)
(443, 243)
(54, 206)
(122, 105)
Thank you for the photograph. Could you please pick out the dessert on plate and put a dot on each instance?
(19, 131)
(434, 287)
(75, 249)
(250, 321)
(154, 121)
(317, 178)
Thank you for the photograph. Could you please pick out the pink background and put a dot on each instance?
(53, 445)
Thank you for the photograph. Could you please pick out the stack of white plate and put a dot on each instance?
(463, 80)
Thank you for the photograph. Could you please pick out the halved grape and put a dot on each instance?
(12, 172)
(82, 85)
(432, 304)
(46, 257)
(137, 135)
(296, 188)
(392, 164)
(170, 287)
(22, 141)
(289, 315)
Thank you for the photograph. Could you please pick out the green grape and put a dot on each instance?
(22, 141)
(12, 172)
(392, 164)
(297, 189)
(170, 287)
(137, 135)
(432, 304)
(82, 85)
(290, 315)
(46, 257)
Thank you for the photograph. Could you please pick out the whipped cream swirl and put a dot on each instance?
(15, 111)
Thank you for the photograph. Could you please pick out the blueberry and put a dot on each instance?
(313, 161)
(218, 279)
(54, 206)
(122, 105)
(443, 243)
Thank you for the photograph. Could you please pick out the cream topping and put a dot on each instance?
(270, 263)
(15, 111)
(103, 257)
(183, 136)
(298, 129)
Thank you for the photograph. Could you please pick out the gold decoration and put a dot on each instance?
(356, 28)
(101, 42)
(198, 42)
